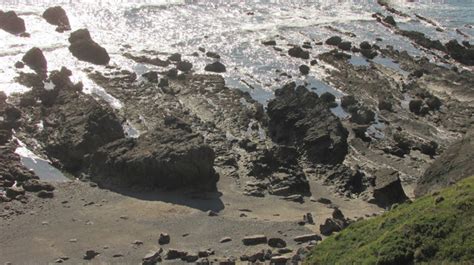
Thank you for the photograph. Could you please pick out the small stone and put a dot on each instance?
(254, 240)
(276, 243)
(225, 240)
(212, 213)
(308, 218)
(304, 69)
(439, 199)
(153, 257)
(45, 194)
(216, 67)
(73, 240)
(90, 254)
(137, 242)
(175, 254)
(190, 258)
(307, 238)
(164, 239)
(279, 260)
(118, 255)
(324, 200)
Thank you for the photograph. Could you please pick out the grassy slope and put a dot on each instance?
(421, 232)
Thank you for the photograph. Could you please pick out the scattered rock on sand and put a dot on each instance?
(85, 49)
(11, 23)
(307, 238)
(269, 43)
(184, 66)
(216, 67)
(254, 240)
(58, 17)
(275, 242)
(225, 240)
(164, 239)
(153, 257)
(90, 254)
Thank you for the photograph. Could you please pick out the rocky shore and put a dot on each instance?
(190, 169)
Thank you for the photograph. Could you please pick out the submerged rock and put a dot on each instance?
(216, 67)
(464, 55)
(58, 17)
(298, 52)
(85, 49)
(299, 118)
(11, 23)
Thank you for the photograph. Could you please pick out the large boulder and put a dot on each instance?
(58, 17)
(85, 49)
(164, 158)
(11, 23)
(456, 163)
(388, 188)
(299, 118)
(35, 59)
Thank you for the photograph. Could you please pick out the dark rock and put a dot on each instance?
(19, 65)
(330, 226)
(390, 20)
(307, 238)
(279, 260)
(304, 69)
(346, 180)
(299, 118)
(216, 67)
(35, 59)
(11, 23)
(45, 194)
(415, 105)
(434, 103)
(464, 55)
(345, 45)
(454, 164)
(388, 188)
(90, 254)
(13, 192)
(276, 242)
(324, 200)
(308, 218)
(269, 43)
(365, 45)
(335, 40)
(254, 240)
(361, 115)
(151, 76)
(175, 254)
(385, 105)
(175, 57)
(164, 82)
(85, 49)
(164, 239)
(190, 258)
(34, 185)
(167, 157)
(58, 17)
(213, 55)
(298, 52)
(422, 40)
(347, 101)
(184, 66)
(152, 257)
(368, 53)
(327, 97)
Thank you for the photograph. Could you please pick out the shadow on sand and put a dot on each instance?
(204, 201)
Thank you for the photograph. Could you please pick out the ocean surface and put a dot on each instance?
(233, 29)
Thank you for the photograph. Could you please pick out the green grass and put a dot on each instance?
(422, 232)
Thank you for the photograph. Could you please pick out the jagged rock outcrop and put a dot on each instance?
(299, 118)
(85, 49)
(454, 164)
